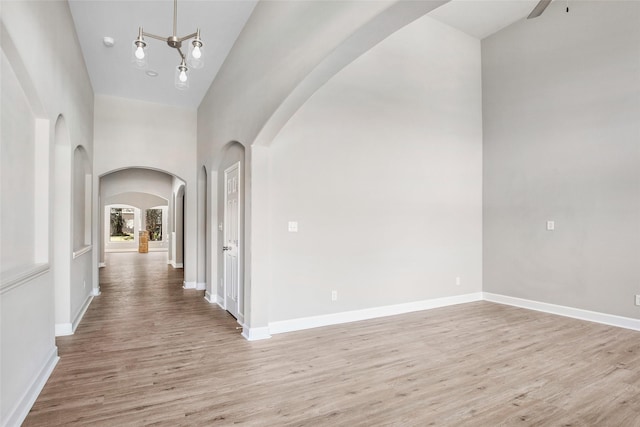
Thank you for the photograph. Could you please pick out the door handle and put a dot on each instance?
(226, 248)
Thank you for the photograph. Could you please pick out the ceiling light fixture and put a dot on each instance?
(193, 60)
(108, 41)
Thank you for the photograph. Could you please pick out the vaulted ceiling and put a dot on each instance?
(111, 69)
(220, 23)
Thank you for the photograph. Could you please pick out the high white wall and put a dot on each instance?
(562, 142)
(286, 51)
(18, 148)
(137, 134)
(382, 170)
(50, 84)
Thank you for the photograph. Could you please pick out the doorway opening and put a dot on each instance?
(231, 231)
(142, 210)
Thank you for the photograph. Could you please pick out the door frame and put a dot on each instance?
(240, 245)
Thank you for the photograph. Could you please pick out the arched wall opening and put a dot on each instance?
(230, 165)
(178, 231)
(147, 200)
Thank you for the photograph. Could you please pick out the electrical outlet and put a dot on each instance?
(551, 225)
(334, 295)
(458, 281)
(638, 300)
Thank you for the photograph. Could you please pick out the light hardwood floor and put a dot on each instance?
(151, 353)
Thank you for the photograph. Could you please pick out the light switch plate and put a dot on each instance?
(551, 225)
(293, 227)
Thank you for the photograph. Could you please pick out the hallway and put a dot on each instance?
(142, 345)
(151, 353)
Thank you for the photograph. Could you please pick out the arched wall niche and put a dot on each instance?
(82, 199)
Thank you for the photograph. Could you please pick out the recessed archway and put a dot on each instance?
(232, 155)
(143, 190)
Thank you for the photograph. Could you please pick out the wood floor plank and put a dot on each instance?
(150, 353)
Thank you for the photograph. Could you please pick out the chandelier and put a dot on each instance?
(192, 60)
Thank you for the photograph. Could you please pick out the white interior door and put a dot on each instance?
(231, 242)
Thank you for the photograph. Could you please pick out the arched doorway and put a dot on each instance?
(230, 253)
(140, 199)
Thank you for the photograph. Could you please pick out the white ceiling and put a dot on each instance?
(111, 69)
(481, 18)
(220, 23)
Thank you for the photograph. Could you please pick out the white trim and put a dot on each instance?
(235, 308)
(209, 298)
(177, 265)
(255, 334)
(170, 262)
(220, 301)
(96, 292)
(111, 250)
(368, 313)
(102, 264)
(201, 286)
(82, 251)
(82, 310)
(560, 310)
(64, 329)
(18, 277)
(20, 411)
(189, 285)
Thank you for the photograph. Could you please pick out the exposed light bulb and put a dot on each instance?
(139, 52)
(183, 76)
(196, 52)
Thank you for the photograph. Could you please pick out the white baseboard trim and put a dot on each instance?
(96, 292)
(211, 299)
(368, 313)
(102, 264)
(201, 286)
(220, 302)
(18, 414)
(82, 311)
(189, 285)
(64, 329)
(177, 265)
(255, 334)
(560, 310)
